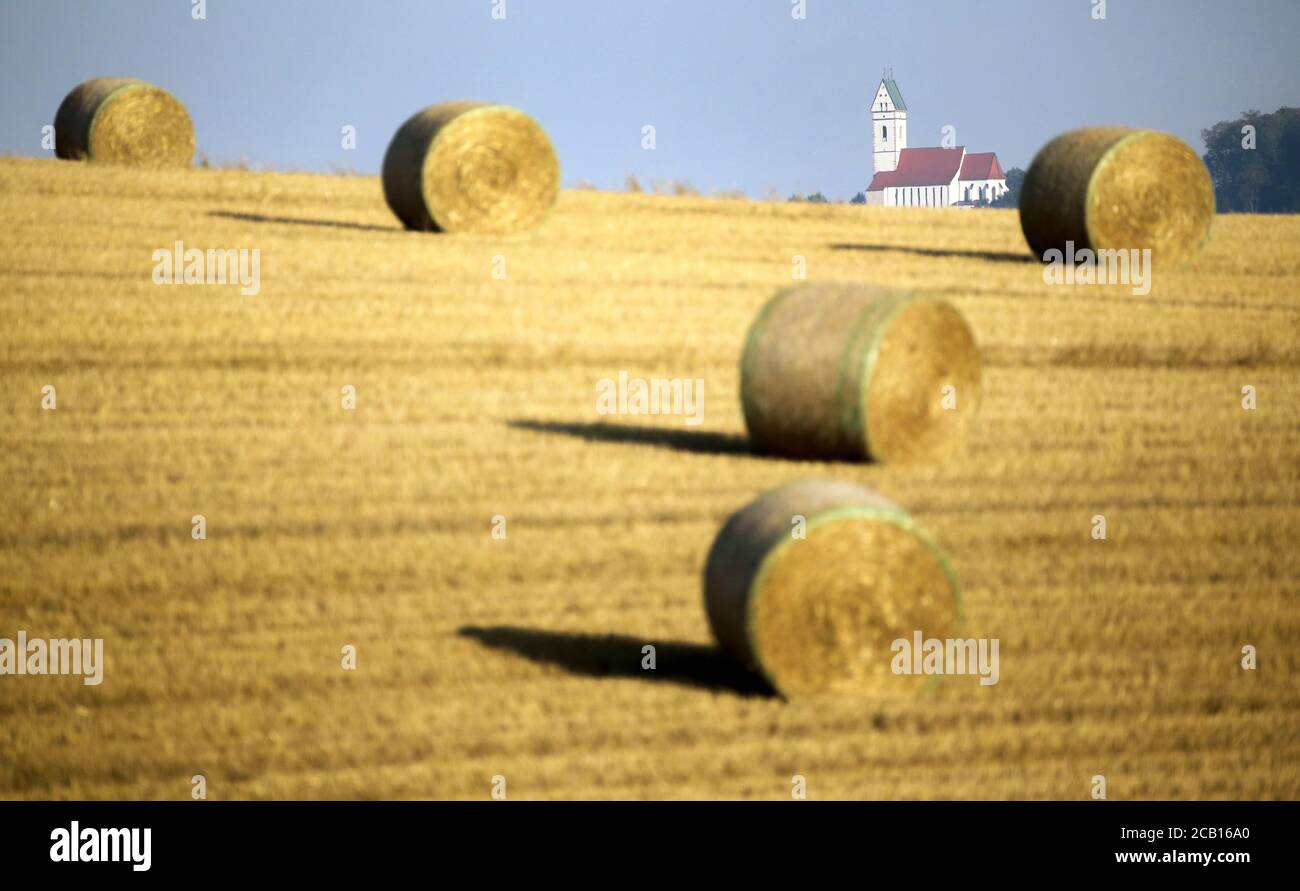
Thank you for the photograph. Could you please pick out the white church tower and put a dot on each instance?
(889, 120)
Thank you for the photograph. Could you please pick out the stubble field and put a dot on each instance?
(476, 397)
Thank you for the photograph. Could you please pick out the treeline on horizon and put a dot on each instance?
(1254, 162)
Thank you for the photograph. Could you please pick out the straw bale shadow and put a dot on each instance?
(699, 442)
(619, 656)
(995, 256)
(298, 221)
(683, 440)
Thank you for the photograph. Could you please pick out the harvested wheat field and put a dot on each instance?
(520, 657)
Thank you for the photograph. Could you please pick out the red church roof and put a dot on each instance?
(983, 165)
(920, 167)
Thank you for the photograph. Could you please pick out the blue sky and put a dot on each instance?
(742, 94)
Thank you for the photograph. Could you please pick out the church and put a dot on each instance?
(924, 177)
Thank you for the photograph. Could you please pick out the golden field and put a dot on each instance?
(476, 396)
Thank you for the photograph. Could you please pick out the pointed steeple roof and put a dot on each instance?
(895, 96)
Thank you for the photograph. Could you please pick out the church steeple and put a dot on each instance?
(888, 123)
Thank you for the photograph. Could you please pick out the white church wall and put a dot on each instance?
(983, 189)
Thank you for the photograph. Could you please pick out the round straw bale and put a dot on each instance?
(473, 167)
(121, 120)
(818, 614)
(856, 371)
(1115, 188)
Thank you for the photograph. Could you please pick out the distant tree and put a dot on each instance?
(818, 198)
(1011, 197)
(1254, 162)
(860, 198)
